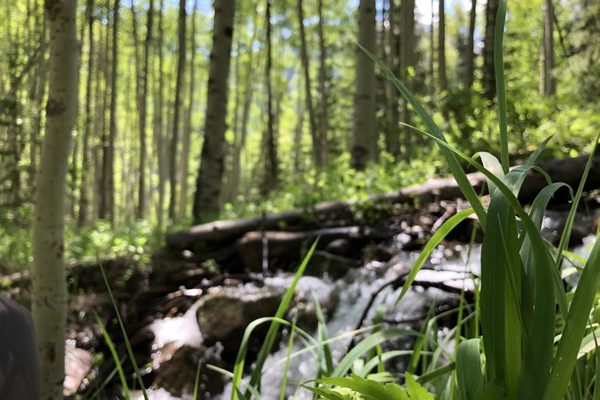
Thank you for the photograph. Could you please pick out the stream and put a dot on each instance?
(452, 266)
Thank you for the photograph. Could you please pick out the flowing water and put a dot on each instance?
(454, 266)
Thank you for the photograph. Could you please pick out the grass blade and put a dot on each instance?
(124, 331)
(500, 85)
(365, 345)
(566, 235)
(575, 325)
(197, 380)
(283, 306)
(468, 369)
(435, 240)
(287, 363)
(115, 355)
(240, 360)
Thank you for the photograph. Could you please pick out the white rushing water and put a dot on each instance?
(353, 293)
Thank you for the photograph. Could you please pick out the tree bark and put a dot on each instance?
(442, 46)
(159, 136)
(489, 78)
(393, 134)
(87, 131)
(407, 62)
(210, 174)
(547, 79)
(312, 121)
(248, 94)
(187, 125)
(470, 65)
(50, 292)
(107, 206)
(143, 107)
(323, 115)
(271, 176)
(176, 112)
(365, 127)
(39, 98)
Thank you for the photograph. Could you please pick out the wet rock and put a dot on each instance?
(177, 371)
(224, 313)
(324, 263)
(339, 247)
(78, 363)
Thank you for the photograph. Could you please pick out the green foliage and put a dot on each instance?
(338, 182)
(376, 387)
(88, 244)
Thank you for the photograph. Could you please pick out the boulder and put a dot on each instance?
(224, 313)
(177, 372)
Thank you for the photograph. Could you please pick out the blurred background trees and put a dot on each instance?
(192, 112)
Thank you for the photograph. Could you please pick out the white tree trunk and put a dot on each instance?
(50, 294)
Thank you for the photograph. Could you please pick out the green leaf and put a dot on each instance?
(365, 345)
(281, 310)
(435, 240)
(494, 166)
(575, 324)
(416, 391)
(468, 370)
(500, 86)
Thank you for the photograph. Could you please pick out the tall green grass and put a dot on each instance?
(520, 277)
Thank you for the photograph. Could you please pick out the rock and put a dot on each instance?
(78, 363)
(224, 313)
(339, 247)
(177, 371)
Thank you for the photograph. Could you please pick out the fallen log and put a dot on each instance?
(202, 238)
(287, 247)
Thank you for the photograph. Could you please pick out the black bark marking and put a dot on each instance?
(54, 108)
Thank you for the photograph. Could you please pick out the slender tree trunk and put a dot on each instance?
(100, 124)
(240, 144)
(231, 152)
(271, 178)
(187, 125)
(392, 136)
(210, 174)
(176, 111)
(298, 136)
(87, 132)
(442, 46)
(547, 79)
(39, 99)
(489, 79)
(317, 153)
(432, 55)
(407, 62)
(107, 206)
(365, 127)
(470, 70)
(143, 107)
(323, 116)
(159, 137)
(50, 292)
